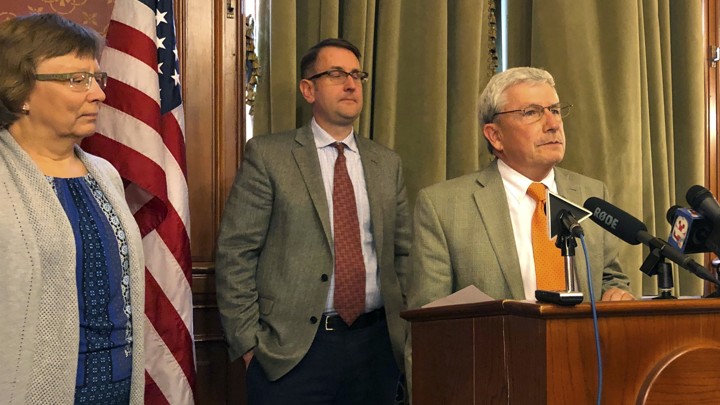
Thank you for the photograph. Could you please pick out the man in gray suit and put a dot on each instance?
(278, 277)
(476, 229)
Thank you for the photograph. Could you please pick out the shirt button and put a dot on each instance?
(324, 277)
(313, 320)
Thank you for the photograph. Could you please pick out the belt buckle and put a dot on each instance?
(327, 327)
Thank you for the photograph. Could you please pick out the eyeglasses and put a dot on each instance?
(78, 81)
(338, 76)
(534, 112)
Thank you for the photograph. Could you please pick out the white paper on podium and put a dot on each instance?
(467, 295)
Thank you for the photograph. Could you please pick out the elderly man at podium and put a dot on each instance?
(488, 228)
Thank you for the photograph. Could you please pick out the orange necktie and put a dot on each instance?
(549, 267)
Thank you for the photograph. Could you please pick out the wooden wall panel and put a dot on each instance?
(200, 98)
(211, 56)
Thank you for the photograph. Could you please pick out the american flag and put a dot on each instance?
(140, 131)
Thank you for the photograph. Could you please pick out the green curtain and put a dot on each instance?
(634, 71)
(427, 61)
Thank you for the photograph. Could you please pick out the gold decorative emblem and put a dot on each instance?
(89, 18)
(6, 15)
(64, 6)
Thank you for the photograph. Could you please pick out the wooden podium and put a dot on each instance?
(521, 352)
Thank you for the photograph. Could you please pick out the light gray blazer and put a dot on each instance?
(38, 292)
(463, 235)
(275, 245)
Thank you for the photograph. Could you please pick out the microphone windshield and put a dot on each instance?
(696, 195)
(615, 220)
(672, 213)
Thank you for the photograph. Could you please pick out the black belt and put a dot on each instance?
(335, 322)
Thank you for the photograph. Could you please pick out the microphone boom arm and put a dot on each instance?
(664, 250)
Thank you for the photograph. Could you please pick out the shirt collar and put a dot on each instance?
(516, 184)
(323, 139)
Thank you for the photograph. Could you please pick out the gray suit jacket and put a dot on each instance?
(463, 235)
(275, 247)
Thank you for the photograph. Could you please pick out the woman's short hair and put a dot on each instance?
(493, 97)
(26, 41)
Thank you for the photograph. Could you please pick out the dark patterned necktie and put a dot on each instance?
(549, 266)
(349, 299)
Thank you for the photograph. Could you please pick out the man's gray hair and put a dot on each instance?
(493, 96)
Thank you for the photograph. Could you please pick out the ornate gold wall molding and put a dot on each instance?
(92, 13)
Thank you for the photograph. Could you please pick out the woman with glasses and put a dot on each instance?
(72, 290)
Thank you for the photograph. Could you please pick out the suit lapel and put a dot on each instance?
(373, 178)
(566, 188)
(306, 157)
(494, 211)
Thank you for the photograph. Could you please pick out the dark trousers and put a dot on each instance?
(347, 366)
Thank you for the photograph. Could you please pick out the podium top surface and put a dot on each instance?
(533, 309)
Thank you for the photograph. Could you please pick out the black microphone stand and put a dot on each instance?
(655, 264)
(566, 242)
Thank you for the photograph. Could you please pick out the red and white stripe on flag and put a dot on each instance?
(140, 130)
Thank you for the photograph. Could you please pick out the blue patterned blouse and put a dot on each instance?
(103, 285)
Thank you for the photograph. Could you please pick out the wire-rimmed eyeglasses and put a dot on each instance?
(534, 112)
(78, 81)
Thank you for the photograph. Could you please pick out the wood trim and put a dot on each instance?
(528, 309)
(711, 28)
(710, 8)
(210, 44)
(229, 72)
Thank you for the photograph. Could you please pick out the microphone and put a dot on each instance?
(633, 231)
(564, 215)
(571, 223)
(615, 220)
(702, 201)
(690, 231)
(564, 219)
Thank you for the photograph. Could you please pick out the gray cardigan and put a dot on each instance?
(38, 292)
